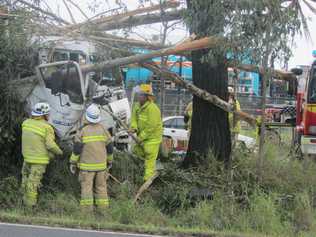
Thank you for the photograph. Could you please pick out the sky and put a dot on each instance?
(302, 50)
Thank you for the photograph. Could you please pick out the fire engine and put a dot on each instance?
(306, 110)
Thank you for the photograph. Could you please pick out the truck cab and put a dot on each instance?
(69, 92)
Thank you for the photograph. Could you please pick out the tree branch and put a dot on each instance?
(57, 18)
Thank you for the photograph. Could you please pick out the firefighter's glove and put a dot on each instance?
(109, 164)
(77, 148)
(73, 168)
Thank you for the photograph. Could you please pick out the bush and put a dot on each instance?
(303, 213)
(263, 215)
(10, 195)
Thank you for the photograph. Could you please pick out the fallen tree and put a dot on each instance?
(134, 21)
(104, 21)
(204, 43)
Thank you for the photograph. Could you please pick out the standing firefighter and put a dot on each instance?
(188, 117)
(38, 147)
(234, 122)
(148, 126)
(92, 151)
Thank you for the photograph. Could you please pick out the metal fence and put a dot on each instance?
(175, 101)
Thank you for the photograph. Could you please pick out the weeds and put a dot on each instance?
(281, 202)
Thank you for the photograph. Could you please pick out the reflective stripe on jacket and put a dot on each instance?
(38, 141)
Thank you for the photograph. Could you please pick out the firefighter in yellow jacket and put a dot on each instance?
(188, 118)
(234, 123)
(92, 151)
(38, 147)
(148, 126)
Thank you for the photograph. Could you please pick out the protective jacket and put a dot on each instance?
(149, 124)
(92, 156)
(38, 141)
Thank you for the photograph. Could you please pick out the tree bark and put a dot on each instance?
(210, 130)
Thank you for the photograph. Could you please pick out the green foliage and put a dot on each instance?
(303, 213)
(11, 117)
(278, 204)
(263, 215)
(16, 60)
(17, 52)
(252, 29)
(10, 191)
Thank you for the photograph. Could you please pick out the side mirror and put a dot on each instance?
(297, 71)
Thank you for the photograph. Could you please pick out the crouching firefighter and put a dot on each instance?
(92, 151)
(38, 147)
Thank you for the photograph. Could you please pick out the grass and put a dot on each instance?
(281, 202)
(96, 224)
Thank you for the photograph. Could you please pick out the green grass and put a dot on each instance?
(97, 224)
(281, 202)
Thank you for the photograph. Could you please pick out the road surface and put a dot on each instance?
(17, 230)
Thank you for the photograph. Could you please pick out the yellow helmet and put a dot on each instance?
(146, 89)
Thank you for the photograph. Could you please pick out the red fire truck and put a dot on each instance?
(306, 111)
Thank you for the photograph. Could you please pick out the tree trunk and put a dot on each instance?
(210, 128)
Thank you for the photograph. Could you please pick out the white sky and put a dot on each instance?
(302, 51)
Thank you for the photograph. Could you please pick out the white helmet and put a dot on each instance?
(93, 114)
(230, 90)
(41, 109)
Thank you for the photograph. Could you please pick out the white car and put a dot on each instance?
(174, 128)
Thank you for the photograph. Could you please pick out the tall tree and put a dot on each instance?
(251, 31)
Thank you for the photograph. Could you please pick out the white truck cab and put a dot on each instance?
(61, 84)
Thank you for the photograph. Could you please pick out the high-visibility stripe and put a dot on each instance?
(32, 128)
(31, 195)
(36, 159)
(74, 158)
(92, 167)
(102, 202)
(87, 139)
(86, 202)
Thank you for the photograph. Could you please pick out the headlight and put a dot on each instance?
(312, 130)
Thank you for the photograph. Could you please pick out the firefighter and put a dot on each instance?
(38, 147)
(92, 152)
(148, 127)
(234, 122)
(188, 117)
